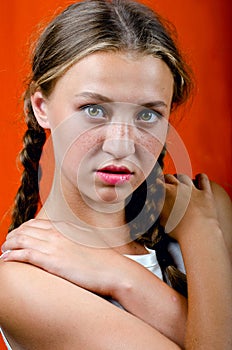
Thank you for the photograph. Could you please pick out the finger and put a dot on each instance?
(25, 242)
(40, 234)
(46, 229)
(185, 179)
(182, 198)
(202, 182)
(4, 253)
(171, 179)
(30, 256)
(40, 223)
(43, 232)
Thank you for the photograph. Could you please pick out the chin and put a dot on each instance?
(112, 195)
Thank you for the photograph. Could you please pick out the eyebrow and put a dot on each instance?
(101, 98)
(94, 96)
(154, 104)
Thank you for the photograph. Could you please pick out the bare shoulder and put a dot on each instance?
(61, 315)
(224, 210)
(52, 308)
(29, 299)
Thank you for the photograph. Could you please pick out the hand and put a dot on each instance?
(190, 216)
(39, 243)
(188, 208)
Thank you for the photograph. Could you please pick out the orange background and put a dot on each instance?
(204, 34)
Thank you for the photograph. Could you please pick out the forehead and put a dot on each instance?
(120, 77)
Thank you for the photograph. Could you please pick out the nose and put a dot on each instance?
(119, 140)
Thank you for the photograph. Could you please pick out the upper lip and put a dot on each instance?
(115, 169)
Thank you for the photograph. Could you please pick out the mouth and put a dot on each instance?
(114, 175)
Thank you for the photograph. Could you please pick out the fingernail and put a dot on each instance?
(5, 254)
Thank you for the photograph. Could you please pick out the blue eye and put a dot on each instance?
(148, 116)
(94, 111)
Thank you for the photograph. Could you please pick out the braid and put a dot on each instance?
(142, 214)
(27, 197)
(171, 274)
(143, 209)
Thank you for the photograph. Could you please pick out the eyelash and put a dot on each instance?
(85, 108)
(154, 114)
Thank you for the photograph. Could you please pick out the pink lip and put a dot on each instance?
(114, 175)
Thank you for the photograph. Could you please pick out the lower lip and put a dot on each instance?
(114, 179)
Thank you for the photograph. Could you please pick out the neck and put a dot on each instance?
(75, 215)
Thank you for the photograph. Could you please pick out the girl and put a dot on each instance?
(105, 77)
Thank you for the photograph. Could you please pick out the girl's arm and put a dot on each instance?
(42, 311)
(104, 272)
(207, 263)
(204, 234)
(224, 213)
(164, 310)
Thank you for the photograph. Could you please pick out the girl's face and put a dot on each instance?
(108, 116)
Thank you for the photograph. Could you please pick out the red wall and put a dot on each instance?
(204, 34)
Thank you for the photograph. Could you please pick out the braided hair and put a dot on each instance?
(142, 214)
(83, 28)
(27, 197)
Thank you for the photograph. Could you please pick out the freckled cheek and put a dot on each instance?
(152, 146)
(153, 139)
(149, 149)
(82, 148)
(88, 141)
(150, 143)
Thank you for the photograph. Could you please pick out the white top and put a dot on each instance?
(149, 261)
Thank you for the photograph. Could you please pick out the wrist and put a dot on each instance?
(199, 229)
(208, 243)
(122, 283)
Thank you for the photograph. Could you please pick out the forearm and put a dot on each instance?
(61, 315)
(209, 278)
(150, 299)
(104, 272)
(199, 231)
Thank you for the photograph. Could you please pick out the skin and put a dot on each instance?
(121, 137)
(154, 318)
